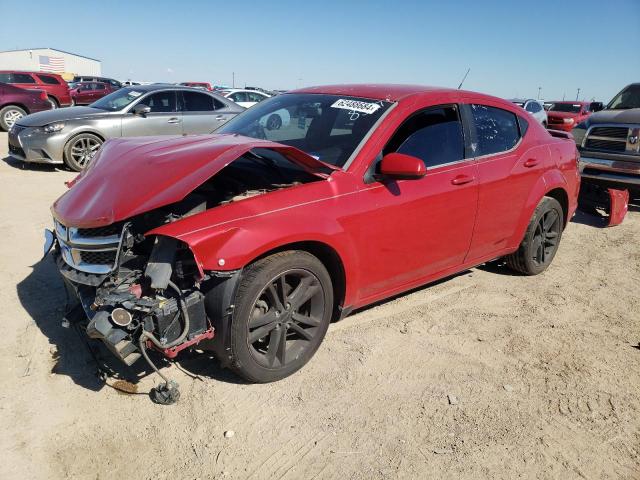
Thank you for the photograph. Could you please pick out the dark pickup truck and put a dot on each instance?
(609, 143)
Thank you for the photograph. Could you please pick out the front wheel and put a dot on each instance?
(541, 240)
(282, 312)
(80, 150)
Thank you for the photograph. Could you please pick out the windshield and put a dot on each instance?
(627, 98)
(327, 127)
(566, 107)
(117, 100)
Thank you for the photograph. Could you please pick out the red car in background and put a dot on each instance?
(16, 102)
(201, 85)
(566, 115)
(54, 85)
(250, 241)
(84, 93)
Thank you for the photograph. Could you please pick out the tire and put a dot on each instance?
(10, 115)
(274, 122)
(266, 314)
(53, 102)
(79, 151)
(546, 225)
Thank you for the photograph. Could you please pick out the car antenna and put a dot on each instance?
(464, 78)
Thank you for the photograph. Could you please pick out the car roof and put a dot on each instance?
(570, 102)
(388, 92)
(524, 100)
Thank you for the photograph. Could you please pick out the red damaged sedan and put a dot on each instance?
(249, 242)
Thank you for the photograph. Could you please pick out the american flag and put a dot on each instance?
(51, 64)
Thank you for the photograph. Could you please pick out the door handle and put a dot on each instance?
(173, 120)
(219, 117)
(532, 162)
(462, 179)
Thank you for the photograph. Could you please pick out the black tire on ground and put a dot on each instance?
(541, 240)
(283, 307)
(9, 115)
(274, 122)
(79, 151)
(54, 103)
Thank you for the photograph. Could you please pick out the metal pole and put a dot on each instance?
(539, 90)
(233, 79)
(577, 94)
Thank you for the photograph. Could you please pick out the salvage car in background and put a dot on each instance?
(566, 115)
(54, 85)
(74, 135)
(245, 98)
(16, 102)
(609, 143)
(534, 107)
(84, 93)
(115, 84)
(200, 85)
(249, 242)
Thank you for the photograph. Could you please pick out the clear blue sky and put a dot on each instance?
(512, 47)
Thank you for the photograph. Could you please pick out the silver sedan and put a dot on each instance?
(73, 135)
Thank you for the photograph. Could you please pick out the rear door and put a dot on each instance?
(202, 113)
(85, 94)
(508, 168)
(164, 118)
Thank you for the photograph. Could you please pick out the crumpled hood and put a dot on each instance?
(60, 115)
(134, 175)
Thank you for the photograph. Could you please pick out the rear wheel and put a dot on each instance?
(53, 102)
(80, 150)
(282, 311)
(541, 240)
(9, 115)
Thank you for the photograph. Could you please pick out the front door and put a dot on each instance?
(417, 228)
(163, 119)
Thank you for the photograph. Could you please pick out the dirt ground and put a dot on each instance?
(543, 373)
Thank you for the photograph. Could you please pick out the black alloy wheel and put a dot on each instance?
(541, 239)
(545, 238)
(283, 307)
(285, 318)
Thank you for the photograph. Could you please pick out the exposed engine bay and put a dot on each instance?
(140, 292)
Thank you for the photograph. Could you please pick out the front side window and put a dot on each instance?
(5, 77)
(197, 102)
(99, 86)
(48, 79)
(435, 136)
(327, 127)
(161, 102)
(22, 78)
(496, 129)
(255, 97)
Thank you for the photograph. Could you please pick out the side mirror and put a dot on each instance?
(398, 166)
(141, 109)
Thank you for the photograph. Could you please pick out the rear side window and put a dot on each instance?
(5, 77)
(22, 78)
(49, 80)
(239, 97)
(198, 102)
(496, 129)
(99, 86)
(434, 136)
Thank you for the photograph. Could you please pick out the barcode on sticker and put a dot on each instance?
(356, 105)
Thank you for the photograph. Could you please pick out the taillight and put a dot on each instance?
(43, 96)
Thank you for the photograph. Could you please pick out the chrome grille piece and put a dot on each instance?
(613, 138)
(90, 250)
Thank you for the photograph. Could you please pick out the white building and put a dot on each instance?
(50, 60)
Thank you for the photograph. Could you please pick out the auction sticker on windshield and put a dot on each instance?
(356, 105)
(134, 94)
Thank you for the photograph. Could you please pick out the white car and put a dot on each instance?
(245, 98)
(534, 107)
